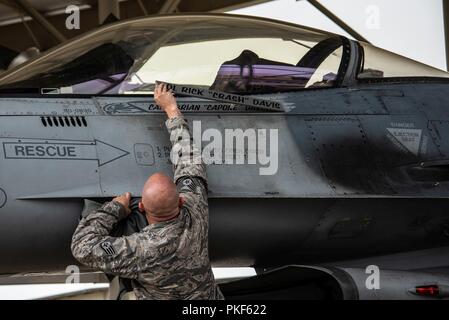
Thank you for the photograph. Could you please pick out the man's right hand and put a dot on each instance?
(164, 98)
(124, 200)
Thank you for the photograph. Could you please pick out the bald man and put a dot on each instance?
(169, 258)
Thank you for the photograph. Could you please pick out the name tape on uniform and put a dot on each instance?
(224, 97)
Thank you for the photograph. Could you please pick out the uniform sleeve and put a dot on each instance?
(92, 245)
(189, 170)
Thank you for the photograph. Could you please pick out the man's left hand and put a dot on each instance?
(124, 200)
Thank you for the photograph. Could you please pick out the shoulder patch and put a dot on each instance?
(186, 185)
(108, 248)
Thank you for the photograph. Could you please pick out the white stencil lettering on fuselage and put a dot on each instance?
(409, 139)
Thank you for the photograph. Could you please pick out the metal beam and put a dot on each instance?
(337, 20)
(14, 36)
(142, 7)
(8, 3)
(238, 5)
(24, 22)
(169, 6)
(31, 33)
(28, 9)
(446, 30)
(106, 8)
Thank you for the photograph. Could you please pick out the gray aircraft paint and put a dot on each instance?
(115, 137)
(344, 189)
(305, 191)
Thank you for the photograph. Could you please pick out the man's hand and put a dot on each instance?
(124, 200)
(165, 99)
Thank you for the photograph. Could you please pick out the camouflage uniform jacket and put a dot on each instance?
(167, 260)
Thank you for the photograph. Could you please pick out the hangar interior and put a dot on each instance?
(33, 26)
(30, 27)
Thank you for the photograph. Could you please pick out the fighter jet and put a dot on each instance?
(328, 158)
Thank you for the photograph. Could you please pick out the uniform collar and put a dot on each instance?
(166, 222)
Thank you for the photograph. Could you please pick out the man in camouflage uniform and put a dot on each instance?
(169, 258)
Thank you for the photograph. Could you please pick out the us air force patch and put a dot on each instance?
(108, 248)
(187, 185)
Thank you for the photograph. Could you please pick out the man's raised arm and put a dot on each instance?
(189, 170)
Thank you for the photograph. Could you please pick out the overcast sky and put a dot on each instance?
(413, 28)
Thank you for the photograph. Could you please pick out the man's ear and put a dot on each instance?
(181, 202)
(141, 207)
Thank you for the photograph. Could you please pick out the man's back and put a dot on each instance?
(183, 270)
(166, 260)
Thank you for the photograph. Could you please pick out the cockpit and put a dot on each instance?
(225, 53)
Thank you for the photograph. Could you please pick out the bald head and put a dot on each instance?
(159, 196)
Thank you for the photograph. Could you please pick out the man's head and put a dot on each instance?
(160, 198)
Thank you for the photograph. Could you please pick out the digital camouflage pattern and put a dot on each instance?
(167, 260)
